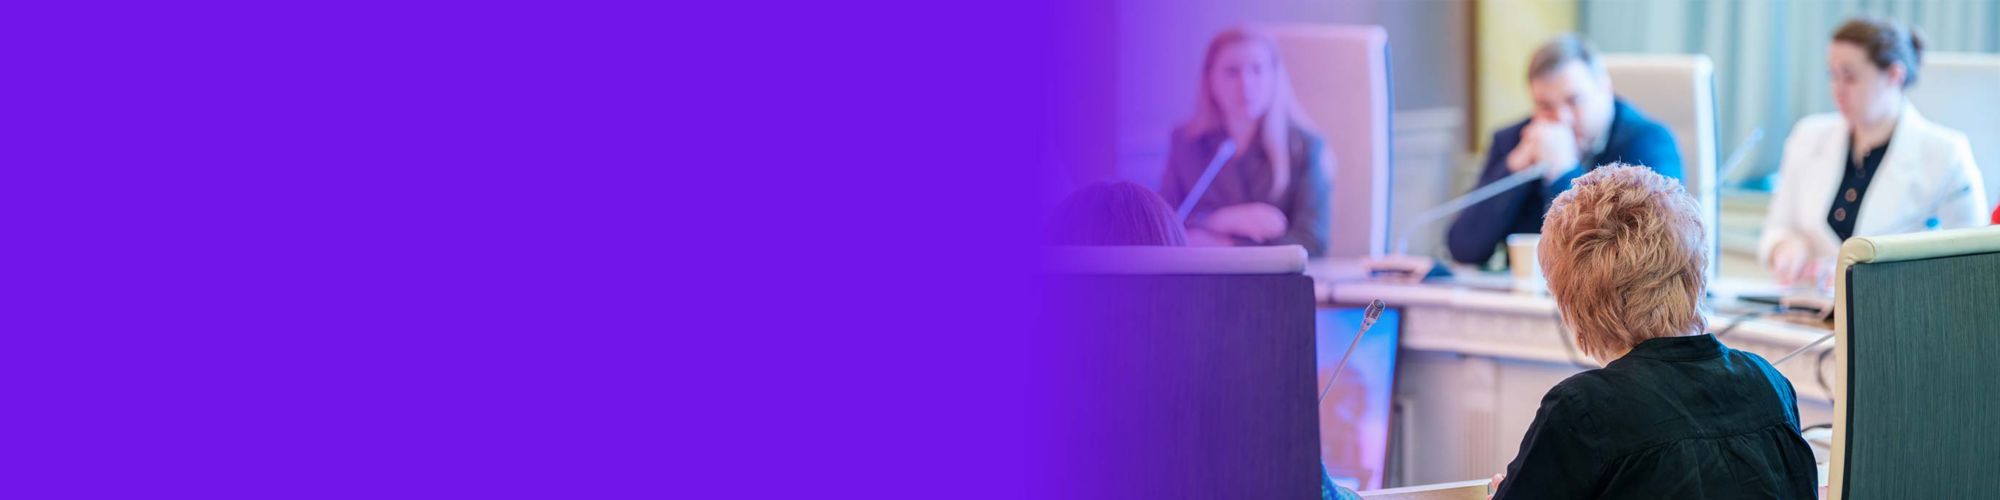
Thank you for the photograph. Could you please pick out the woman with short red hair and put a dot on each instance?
(1673, 413)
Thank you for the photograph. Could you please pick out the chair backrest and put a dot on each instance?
(1462, 490)
(1280, 259)
(1679, 92)
(1958, 90)
(1341, 75)
(1915, 355)
(1182, 373)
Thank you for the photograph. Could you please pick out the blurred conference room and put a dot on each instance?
(1534, 249)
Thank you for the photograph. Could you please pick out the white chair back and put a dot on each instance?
(1962, 91)
(1679, 92)
(1280, 259)
(1341, 75)
(1461, 490)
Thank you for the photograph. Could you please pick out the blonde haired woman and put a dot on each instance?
(1272, 190)
(1673, 413)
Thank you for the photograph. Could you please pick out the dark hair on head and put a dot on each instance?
(1886, 42)
(1116, 214)
(1563, 49)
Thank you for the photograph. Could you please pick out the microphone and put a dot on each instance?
(1474, 197)
(1400, 263)
(1802, 349)
(1368, 318)
(1200, 187)
(1728, 170)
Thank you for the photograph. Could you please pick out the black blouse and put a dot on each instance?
(1853, 186)
(1678, 417)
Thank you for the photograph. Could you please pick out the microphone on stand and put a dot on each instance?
(1222, 155)
(1729, 166)
(1368, 318)
(1399, 264)
(1802, 349)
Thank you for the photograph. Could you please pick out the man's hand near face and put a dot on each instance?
(1526, 153)
(1545, 143)
(1558, 149)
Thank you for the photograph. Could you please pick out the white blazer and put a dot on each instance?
(1927, 173)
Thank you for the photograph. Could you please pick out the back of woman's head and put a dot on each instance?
(1116, 214)
(1624, 254)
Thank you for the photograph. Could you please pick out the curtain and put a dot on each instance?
(1770, 55)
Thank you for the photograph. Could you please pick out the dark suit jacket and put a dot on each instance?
(1634, 139)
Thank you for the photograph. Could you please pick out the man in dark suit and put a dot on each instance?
(1578, 125)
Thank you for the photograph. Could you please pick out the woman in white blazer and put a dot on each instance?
(1876, 167)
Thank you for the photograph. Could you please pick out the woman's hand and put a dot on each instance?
(1793, 265)
(1255, 221)
(1494, 487)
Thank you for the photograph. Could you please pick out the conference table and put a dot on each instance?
(1476, 356)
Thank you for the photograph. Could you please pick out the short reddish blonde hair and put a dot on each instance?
(1624, 254)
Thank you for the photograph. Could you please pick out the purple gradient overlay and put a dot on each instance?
(531, 250)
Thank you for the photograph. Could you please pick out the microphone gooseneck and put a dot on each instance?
(1802, 349)
(1471, 198)
(1222, 155)
(1368, 318)
(1735, 161)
